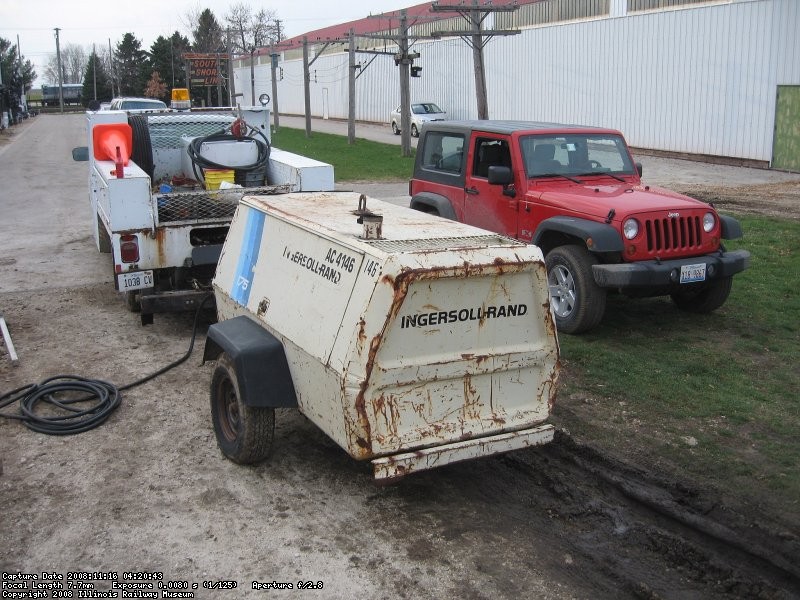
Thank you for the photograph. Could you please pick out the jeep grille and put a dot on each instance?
(673, 234)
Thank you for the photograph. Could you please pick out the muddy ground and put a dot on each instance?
(148, 491)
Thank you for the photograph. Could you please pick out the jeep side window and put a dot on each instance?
(490, 153)
(443, 152)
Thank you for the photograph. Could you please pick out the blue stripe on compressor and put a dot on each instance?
(248, 256)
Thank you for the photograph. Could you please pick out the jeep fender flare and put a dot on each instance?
(437, 202)
(731, 228)
(259, 359)
(598, 237)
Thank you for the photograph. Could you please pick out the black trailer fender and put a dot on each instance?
(598, 237)
(260, 361)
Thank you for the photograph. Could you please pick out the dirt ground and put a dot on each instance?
(148, 491)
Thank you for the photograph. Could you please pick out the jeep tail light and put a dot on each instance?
(129, 248)
(709, 221)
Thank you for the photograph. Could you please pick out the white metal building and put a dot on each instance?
(686, 76)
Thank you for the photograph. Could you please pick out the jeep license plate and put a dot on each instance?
(693, 273)
(135, 281)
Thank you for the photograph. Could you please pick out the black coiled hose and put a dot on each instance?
(198, 160)
(94, 403)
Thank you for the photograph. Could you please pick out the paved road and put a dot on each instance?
(659, 171)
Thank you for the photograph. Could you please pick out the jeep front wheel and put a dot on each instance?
(244, 433)
(703, 298)
(577, 301)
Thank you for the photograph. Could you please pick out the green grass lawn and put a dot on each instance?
(713, 397)
(363, 161)
(717, 395)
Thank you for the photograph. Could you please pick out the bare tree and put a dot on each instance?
(250, 30)
(73, 64)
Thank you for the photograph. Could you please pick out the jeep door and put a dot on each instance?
(485, 205)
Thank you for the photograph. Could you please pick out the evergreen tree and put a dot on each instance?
(167, 59)
(16, 81)
(208, 38)
(131, 66)
(96, 77)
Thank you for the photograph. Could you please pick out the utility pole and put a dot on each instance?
(94, 70)
(351, 89)
(60, 82)
(219, 81)
(404, 59)
(273, 58)
(22, 97)
(252, 76)
(306, 86)
(405, 87)
(475, 36)
(111, 67)
(307, 80)
(231, 84)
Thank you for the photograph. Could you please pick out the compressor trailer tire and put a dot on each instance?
(244, 433)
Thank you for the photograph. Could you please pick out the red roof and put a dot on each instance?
(384, 21)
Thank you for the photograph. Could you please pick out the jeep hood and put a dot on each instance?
(599, 198)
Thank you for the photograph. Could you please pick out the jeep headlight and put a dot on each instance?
(709, 220)
(630, 228)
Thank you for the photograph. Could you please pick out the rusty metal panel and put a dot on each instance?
(400, 465)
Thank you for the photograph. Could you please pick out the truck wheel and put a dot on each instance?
(244, 433)
(414, 131)
(703, 298)
(577, 301)
(395, 128)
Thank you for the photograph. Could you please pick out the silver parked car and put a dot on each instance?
(421, 112)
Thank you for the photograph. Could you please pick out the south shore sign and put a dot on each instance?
(203, 68)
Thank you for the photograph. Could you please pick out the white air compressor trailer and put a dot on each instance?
(410, 340)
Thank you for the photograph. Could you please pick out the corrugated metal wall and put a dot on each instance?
(700, 78)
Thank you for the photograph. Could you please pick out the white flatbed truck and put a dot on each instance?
(151, 206)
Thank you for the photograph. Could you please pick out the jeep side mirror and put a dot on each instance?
(500, 175)
(639, 168)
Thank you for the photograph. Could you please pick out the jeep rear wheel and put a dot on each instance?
(704, 297)
(244, 433)
(577, 301)
(395, 128)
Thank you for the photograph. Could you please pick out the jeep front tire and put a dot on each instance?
(577, 301)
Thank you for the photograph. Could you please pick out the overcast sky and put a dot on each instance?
(85, 22)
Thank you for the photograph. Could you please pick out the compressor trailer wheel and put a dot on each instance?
(244, 433)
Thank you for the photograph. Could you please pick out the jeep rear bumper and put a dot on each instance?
(664, 273)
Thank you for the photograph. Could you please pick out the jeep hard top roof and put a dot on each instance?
(509, 127)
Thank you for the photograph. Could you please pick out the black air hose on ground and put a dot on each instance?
(83, 403)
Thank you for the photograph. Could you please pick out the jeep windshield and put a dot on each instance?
(575, 155)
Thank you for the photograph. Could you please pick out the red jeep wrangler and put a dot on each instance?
(577, 194)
